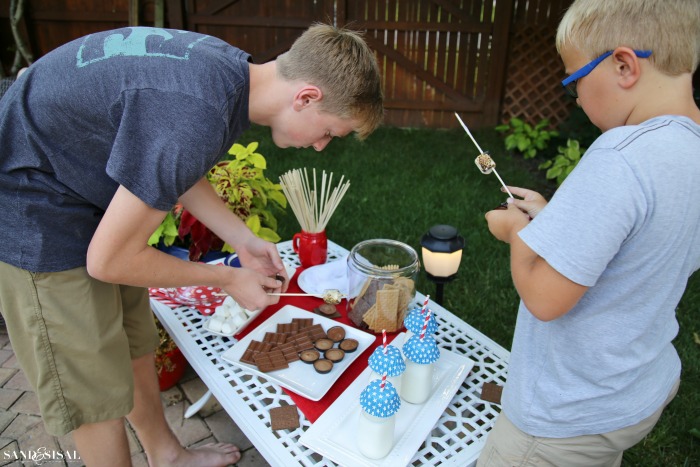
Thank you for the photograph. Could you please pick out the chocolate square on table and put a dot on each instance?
(302, 342)
(254, 348)
(303, 323)
(316, 332)
(290, 352)
(275, 338)
(285, 417)
(270, 361)
(491, 392)
(287, 328)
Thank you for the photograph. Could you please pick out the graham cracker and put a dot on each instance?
(365, 286)
(285, 417)
(388, 307)
(491, 392)
(382, 323)
(370, 317)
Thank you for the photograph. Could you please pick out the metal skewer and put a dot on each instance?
(482, 152)
(332, 296)
(285, 294)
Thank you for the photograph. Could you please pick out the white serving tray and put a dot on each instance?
(334, 434)
(300, 377)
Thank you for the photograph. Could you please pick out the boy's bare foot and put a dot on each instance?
(209, 455)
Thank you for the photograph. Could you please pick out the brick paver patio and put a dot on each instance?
(22, 431)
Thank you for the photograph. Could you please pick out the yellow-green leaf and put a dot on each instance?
(236, 149)
(258, 160)
(253, 223)
(278, 197)
(252, 147)
(269, 235)
(155, 236)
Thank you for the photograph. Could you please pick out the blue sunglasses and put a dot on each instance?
(569, 83)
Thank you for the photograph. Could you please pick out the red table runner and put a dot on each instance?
(311, 409)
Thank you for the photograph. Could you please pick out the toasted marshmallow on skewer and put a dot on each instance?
(483, 160)
(485, 163)
(332, 296)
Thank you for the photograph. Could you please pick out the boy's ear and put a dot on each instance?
(627, 67)
(305, 96)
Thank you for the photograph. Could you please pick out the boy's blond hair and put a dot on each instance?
(669, 28)
(341, 64)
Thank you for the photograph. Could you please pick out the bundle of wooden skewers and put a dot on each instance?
(312, 204)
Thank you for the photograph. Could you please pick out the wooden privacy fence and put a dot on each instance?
(486, 59)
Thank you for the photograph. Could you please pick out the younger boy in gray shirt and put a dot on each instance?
(602, 267)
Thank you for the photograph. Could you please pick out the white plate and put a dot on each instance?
(299, 377)
(334, 434)
(307, 285)
(317, 279)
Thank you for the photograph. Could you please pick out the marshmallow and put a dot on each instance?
(485, 163)
(215, 324)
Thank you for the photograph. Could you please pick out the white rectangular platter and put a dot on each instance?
(299, 377)
(334, 434)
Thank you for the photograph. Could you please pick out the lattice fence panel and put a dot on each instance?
(533, 91)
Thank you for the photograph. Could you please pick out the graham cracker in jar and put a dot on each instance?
(382, 304)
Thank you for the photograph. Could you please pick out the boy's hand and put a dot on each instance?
(263, 257)
(531, 202)
(249, 288)
(505, 223)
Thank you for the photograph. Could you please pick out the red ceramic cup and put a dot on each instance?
(312, 248)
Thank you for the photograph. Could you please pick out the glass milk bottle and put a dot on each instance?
(375, 430)
(415, 320)
(421, 353)
(387, 360)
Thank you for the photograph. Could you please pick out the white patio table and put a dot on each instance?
(456, 439)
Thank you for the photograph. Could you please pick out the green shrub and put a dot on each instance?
(564, 162)
(525, 138)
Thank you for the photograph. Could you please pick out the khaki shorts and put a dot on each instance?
(75, 337)
(507, 446)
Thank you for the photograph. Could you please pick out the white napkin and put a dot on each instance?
(332, 275)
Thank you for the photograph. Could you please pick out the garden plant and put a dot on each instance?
(240, 182)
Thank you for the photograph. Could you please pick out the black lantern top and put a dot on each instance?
(442, 239)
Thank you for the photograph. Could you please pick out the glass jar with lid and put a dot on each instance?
(381, 284)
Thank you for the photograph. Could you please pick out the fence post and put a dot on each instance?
(502, 23)
(134, 12)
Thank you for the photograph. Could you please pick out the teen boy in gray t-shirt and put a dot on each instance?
(99, 139)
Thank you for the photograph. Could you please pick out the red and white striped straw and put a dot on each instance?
(425, 324)
(383, 383)
(425, 304)
(384, 341)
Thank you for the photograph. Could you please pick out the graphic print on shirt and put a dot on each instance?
(140, 42)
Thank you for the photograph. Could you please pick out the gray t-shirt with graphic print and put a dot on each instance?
(149, 109)
(626, 224)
